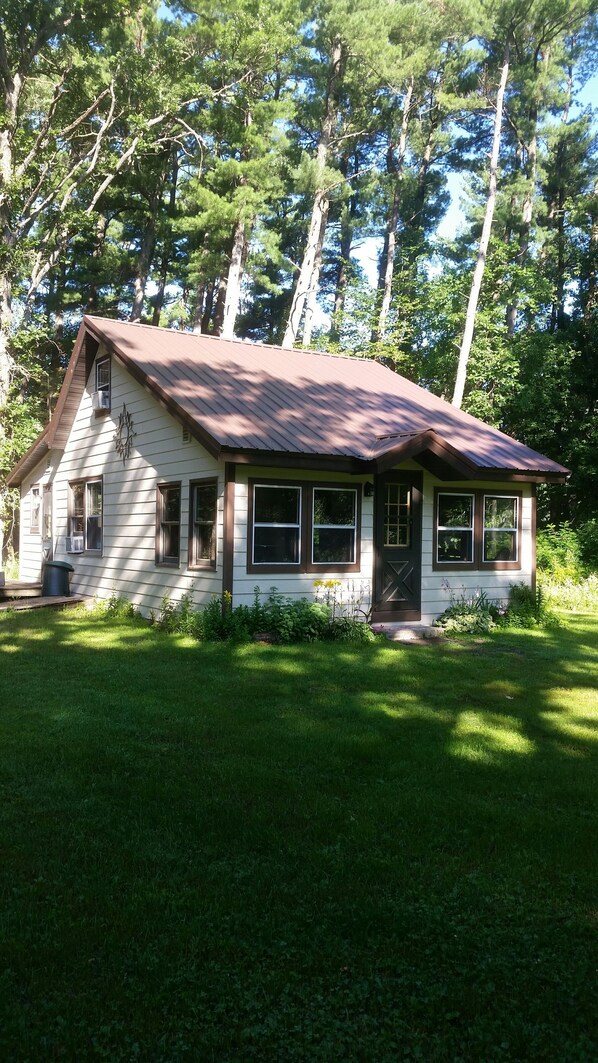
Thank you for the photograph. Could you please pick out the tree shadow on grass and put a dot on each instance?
(309, 852)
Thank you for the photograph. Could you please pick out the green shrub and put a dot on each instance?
(348, 629)
(180, 617)
(558, 553)
(588, 544)
(574, 594)
(469, 615)
(117, 607)
(527, 608)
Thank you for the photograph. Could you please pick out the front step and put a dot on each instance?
(20, 588)
(54, 602)
(404, 632)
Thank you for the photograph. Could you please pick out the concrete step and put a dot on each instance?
(406, 632)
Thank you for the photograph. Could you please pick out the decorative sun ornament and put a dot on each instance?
(123, 437)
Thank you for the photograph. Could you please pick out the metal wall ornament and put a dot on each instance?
(123, 437)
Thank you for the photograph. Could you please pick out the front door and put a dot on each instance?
(397, 547)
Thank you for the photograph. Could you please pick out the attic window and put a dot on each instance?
(101, 398)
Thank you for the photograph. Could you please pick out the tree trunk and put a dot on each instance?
(484, 241)
(233, 281)
(319, 215)
(387, 261)
(219, 307)
(167, 250)
(146, 252)
(312, 296)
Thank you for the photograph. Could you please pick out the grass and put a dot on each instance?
(317, 853)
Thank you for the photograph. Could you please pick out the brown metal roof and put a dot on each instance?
(245, 397)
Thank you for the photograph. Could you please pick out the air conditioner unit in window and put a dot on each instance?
(74, 544)
(100, 400)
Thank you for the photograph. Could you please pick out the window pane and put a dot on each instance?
(333, 506)
(206, 542)
(334, 546)
(500, 512)
(276, 546)
(77, 518)
(205, 503)
(455, 546)
(171, 502)
(94, 499)
(500, 546)
(170, 541)
(397, 515)
(276, 505)
(102, 376)
(94, 534)
(35, 508)
(455, 511)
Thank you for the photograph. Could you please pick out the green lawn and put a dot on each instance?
(319, 853)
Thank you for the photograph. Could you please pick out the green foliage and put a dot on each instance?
(588, 544)
(468, 615)
(558, 552)
(527, 608)
(117, 607)
(579, 595)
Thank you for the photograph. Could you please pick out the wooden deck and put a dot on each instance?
(56, 601)
(20, 588)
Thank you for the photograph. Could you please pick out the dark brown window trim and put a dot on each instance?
(228, 528)
(160, 562)
(305, 564)
(478, 564)
(72, 483)
(201, 564)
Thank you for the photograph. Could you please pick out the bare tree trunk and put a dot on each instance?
(319, 215)
(312, 296)
(233, 281)
(145, 259)
(219, 307)
(387, 261)
(167, 247)
(484, 241)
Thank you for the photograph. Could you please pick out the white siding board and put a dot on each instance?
(127, 566)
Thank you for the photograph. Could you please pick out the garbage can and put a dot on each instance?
(55, 578)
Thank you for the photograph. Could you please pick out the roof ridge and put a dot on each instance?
(237, 339)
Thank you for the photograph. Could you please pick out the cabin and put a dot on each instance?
(179, 463)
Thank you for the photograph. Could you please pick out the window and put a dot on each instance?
(168, 524)
(85, 516)
(202, 524)
(35, 510)
(101, 399)
(276, 525)
(334, 528)
(47, 512)
(500, 528)
(397, 515)
(303, 527)
(455, 515)
(476, 529)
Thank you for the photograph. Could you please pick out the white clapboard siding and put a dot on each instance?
(127, 566)
(354, 586)
(440, 588)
